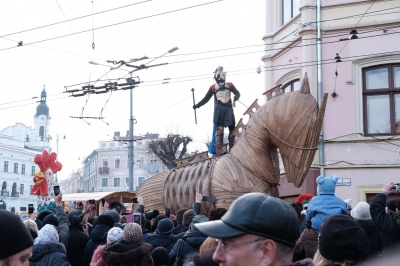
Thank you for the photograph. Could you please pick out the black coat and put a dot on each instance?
(373, 235)
(192, 241)
(48, 254)
(97, 237)
(76, 243)
(158, 240)
(388, 224)
(123, 253)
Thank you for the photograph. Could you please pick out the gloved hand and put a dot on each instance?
(235, 98)
(195, 106)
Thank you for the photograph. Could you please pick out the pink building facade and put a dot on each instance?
(359, 70)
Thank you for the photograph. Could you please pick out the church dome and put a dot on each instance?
(42, 108)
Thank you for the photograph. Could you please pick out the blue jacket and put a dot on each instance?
(323, 206)
(48, 254)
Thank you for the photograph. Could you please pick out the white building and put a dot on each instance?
(18, 146)
(106, 168)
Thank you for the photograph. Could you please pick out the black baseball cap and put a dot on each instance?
(257, 214)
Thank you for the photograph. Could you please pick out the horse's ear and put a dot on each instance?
(335, 178)
(320, 179)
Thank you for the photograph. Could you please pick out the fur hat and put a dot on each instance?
(133, 234)
(160, 256)
(326, 185)
(15, 236)
(114, 234)
(342, 238)
(105, 219)
(32, 227)
(75, 217)
(48, 234)
(361, 211)
(165, 226)
(50, 219)
(114, 214)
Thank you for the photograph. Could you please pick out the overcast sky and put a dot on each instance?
(57, 38)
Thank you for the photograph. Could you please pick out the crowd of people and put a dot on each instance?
(257, 229)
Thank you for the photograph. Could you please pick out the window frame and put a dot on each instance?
(290, 85)
(292, 11)
(391, 91)
(15, 168)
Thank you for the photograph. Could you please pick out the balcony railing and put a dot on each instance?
(104, 170)
(15, 194)
(5, 193)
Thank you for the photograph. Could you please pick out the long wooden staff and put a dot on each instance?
(195, 117)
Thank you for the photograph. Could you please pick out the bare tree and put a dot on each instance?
(167, 149)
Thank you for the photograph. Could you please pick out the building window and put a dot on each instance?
(5, 166)
(104, 182)
(16, 168)
(381, 98)
(21, 189)
(23, 169)
(293, 85)
(30, 190)
(105, 162)
(290, 8)
(33, 171)
(41, 132)
(116, 163)
(116, 182)
(141, 161)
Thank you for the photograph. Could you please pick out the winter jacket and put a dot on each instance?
(373, 235)
(48, 254)
(191, 241)
(97, 237)
(306, 245)
(76, 243)
(321, 207)
(63, 228)
(96, 258)
(180, 228)
(388, 224)
(122, 253)
(158, 240)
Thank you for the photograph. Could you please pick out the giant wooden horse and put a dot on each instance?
(289, 123)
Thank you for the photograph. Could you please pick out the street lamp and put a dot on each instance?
(131, 119)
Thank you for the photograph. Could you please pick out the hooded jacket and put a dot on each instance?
(191, 241)
(76, 243)
(123, 253)
(47, 254)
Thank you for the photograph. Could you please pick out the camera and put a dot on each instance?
(396, 187)
(209, 198)
(137, 218)
(135, 200)
(56, 190)
(31, 209)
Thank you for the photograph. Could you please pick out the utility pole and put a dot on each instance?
(130, 144)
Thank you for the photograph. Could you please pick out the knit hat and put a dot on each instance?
(361, 211)
(160, 256)
(326, 185)
(133, 234)
(106, 220)
(114, 214)
(48, 234)
(114, 234)
(41, 215)
(50, 219)
(75, 217)
(342, 238)
(15, 237)
(165, 226)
